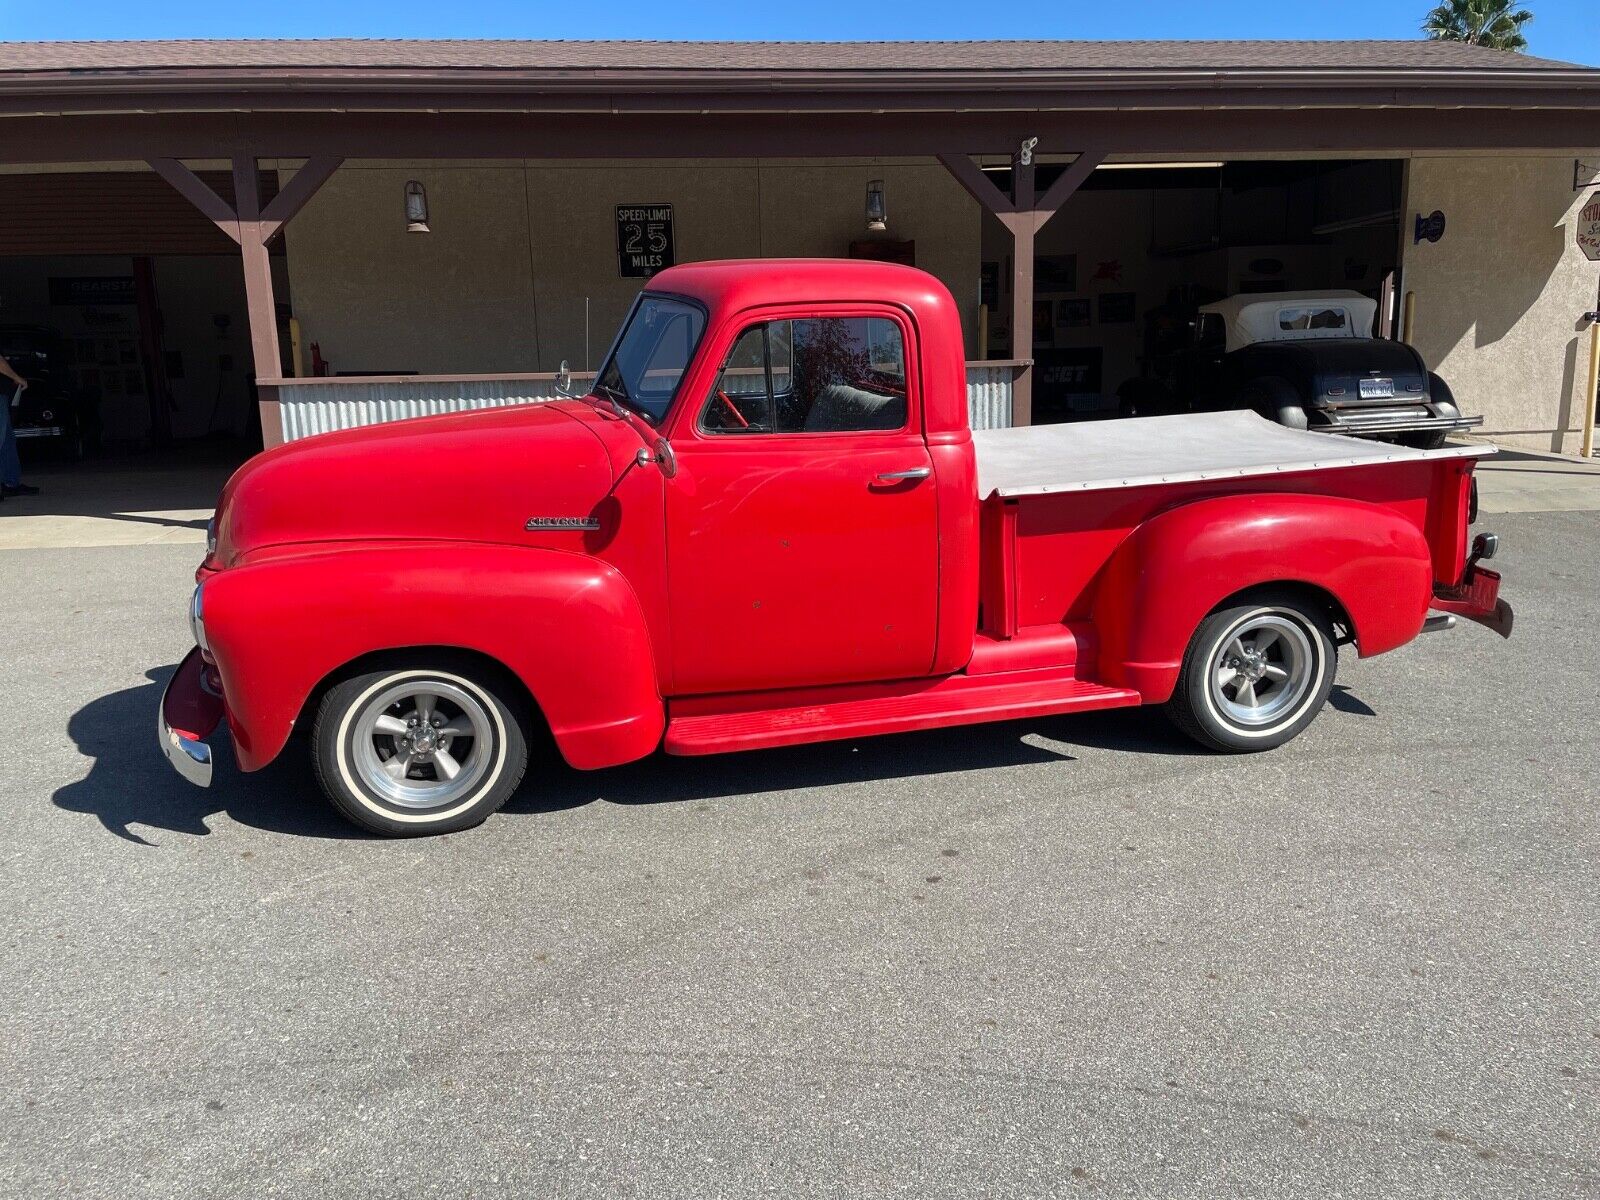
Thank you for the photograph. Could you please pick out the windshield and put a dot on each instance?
(650, 356)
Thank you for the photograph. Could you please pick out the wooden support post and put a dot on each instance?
(257, 271)
(253, 228)
(1023, 213)
(1022, 323)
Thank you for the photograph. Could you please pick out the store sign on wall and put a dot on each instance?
(644, 239)
(91, 289)
(1587, 230)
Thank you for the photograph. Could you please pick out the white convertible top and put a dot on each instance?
(1254, 317)
(1139, 451)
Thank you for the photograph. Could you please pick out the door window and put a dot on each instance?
(811, 375)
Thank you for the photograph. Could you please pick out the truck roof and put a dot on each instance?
(737, 283)
(731, 286)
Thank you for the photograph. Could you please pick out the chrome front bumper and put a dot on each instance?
(190, 710)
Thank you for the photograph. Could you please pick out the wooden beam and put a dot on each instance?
(978, 184)
(1335, 131)
(291, 198)
(194, 189)
(259, 301)
(247, 190)
(1022, 222)
(1070, 181)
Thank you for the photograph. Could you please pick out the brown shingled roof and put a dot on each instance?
(346, 54)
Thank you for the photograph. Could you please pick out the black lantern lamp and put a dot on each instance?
(877, 208)
(416, 208)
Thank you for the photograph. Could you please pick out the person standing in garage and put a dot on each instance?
(10, 464)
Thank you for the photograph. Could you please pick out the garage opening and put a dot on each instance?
(1123, 270)
(125, 310)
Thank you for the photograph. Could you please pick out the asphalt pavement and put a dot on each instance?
(1073, 956)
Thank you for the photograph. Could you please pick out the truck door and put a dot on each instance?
(802, 523)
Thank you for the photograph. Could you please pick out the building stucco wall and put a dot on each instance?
(516, 250)
(1499, 298)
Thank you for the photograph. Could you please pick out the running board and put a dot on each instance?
(918, 704)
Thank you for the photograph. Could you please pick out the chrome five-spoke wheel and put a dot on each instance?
(1263, 670)
(422, 744)
(1256, 674)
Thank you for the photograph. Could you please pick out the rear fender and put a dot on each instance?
(1178, 566)
(567, 625)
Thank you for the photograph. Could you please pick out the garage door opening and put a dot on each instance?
(125, 310)
(1122, 271)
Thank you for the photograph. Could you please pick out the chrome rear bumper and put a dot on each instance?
(1410, 419)
(1389, 418)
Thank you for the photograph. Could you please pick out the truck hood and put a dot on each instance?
(464, 477)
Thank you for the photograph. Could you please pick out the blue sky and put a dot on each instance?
(1563, 29)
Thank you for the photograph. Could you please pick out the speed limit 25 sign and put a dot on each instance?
(644, 239)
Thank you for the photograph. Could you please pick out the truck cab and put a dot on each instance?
(769, 523)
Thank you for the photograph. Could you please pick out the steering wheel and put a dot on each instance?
(732, 408)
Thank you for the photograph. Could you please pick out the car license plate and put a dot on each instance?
(1377, 389)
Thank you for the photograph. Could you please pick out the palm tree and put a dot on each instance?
(1490, 23)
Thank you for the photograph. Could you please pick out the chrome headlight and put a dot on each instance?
(197, 619)
(211, 536)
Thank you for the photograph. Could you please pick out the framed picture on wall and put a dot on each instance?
(1055, 273)
(1116, 308)
(1043, 323)
(1072, 314)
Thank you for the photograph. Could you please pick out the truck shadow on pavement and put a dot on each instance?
(666, 779)
(131, 784)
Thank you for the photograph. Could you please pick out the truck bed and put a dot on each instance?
(1190, 447)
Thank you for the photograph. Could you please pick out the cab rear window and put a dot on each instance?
(1313, 318)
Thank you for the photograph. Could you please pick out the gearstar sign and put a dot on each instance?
(768, 524)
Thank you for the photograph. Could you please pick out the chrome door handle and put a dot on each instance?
(913, 473)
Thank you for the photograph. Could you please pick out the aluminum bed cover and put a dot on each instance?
(1095, 455)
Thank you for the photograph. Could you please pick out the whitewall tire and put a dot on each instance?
(1256, 673)
(423, 749)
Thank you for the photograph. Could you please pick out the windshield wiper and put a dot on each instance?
(620, 397)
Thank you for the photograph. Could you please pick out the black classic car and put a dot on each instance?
(1308, 361)
(49, 413)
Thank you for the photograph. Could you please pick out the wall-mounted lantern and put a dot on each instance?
(416, 208)
(877, 208)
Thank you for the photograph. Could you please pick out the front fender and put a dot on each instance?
(568, 625)
(1178, 566)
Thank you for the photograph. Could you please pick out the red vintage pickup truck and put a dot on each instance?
(769, 523)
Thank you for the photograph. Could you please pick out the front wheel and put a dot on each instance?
(417, 750)
(1255, 674)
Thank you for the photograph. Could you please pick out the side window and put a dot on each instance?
(1209, 332)
(811, 375)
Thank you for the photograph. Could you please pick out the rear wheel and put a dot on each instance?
(1255, 674)
(416, 750)
(1444, 402)
(1275, 399)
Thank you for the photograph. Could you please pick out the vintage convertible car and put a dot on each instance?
(1306, 360)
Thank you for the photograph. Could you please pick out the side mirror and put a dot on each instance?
(564, 379)
(665, 458)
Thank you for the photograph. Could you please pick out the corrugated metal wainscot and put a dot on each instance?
(312, 406)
